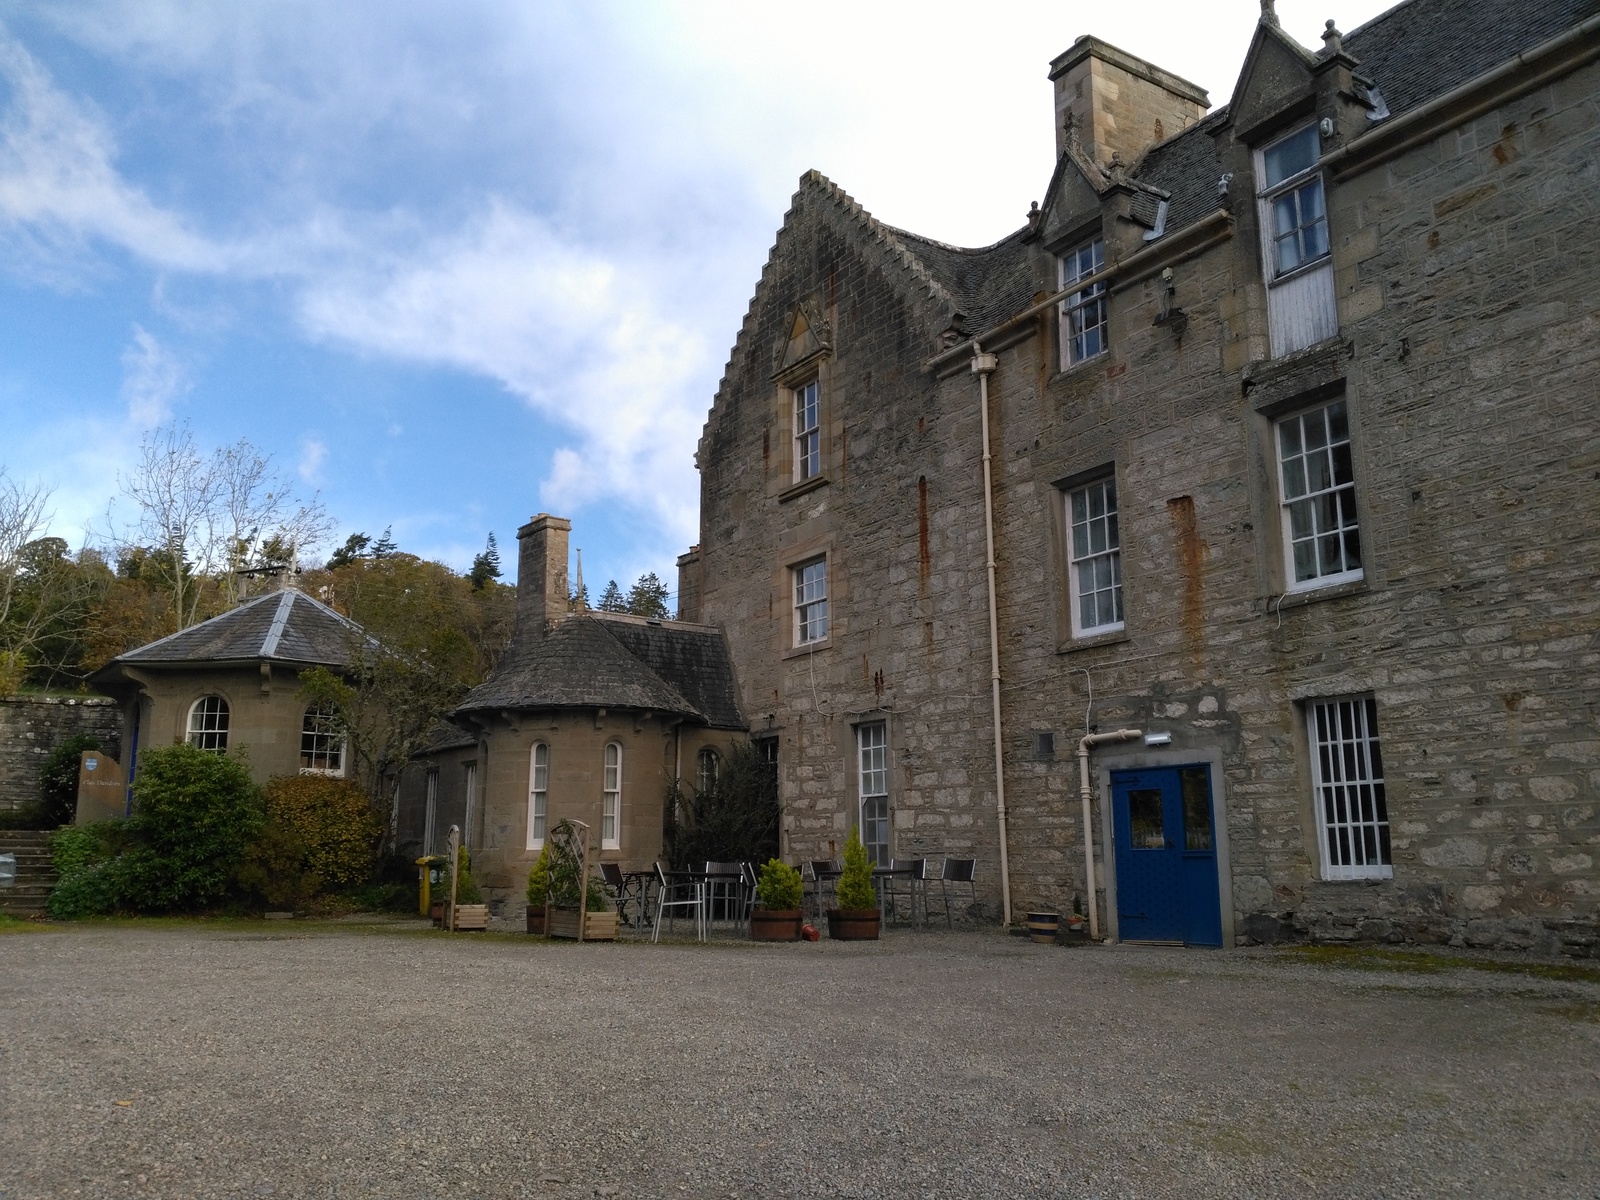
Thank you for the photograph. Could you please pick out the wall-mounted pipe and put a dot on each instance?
(982, 364)
(1086, 743)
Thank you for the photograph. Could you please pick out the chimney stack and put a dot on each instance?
(1118, 102)
(542, 595)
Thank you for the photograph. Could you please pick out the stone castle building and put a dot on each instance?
(1268, 443)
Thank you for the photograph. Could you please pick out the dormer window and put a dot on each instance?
(1291, 192)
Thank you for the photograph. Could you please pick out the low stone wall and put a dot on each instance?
(32, 726)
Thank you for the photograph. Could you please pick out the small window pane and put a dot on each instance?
(1296, 153)
(208, 724)
(1144, 819)
(1196, 785)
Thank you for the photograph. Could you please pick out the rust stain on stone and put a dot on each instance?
(1192, 551)
(924, 558)
(766, 445)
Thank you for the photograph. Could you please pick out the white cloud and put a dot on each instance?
(557, 325)
(313, 453)
(152, 377)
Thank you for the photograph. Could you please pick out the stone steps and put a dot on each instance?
(35, 875)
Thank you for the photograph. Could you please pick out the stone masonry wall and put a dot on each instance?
(32, 726)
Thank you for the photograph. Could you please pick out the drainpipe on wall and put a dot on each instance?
(982, 365)
(1086, 743)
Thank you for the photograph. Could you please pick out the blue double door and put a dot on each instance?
(1165, 840)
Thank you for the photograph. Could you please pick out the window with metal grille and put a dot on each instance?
(538, 794)
(1347, 776)
(321, 742)
(1083, 313)
(1321, 536)
(807, 433)
(1094, 550)
(872, 745)
(811, 602)
(706, 771)
(208, 724)
(1292, 194)
(611, 800)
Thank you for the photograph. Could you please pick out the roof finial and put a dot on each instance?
(1330, 39)
(583, 598)
(1269, 15)
(1033, 215)
(1117, 171)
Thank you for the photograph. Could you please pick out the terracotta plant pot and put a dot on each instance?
(775, 925)
(1043, 927)
(854, 924)
(536, 920)
(436, 913)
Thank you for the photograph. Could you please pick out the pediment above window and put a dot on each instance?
(808, 337)
(1278, 83)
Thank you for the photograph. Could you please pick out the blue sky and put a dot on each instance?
(454, 264)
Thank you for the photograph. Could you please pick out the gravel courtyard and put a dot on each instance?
(238, 1059)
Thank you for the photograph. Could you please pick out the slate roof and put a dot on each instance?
(595, 660)
(285, 626)
(1412, 53)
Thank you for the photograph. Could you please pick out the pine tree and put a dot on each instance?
(486, 566)
(611, 600)
(384, 547)
(648, 597)
(578, 598)
(355, 546)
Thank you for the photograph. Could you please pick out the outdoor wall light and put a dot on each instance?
(1158, 739)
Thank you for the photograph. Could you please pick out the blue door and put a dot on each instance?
(1166, 855)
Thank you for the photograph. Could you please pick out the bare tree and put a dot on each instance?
(222, 518)
(23, 519)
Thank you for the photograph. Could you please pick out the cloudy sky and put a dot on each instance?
(452, 264)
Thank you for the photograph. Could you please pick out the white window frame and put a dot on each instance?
(1294, 189)
(1348, 795)
(430, 809)
(1085, 315)
(207, 729)
(708, 764)
(807, 430)
(324, 745)
(538, 794)
(872, 789)
(611, 798)
(1317, 496)
(811, 619)
(1094, 545)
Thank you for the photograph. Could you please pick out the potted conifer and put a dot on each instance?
(776, 916)
(538, 890)
(857, 918)
(470, 910)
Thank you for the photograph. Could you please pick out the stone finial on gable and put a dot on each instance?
(1332, 42)
(1269, 14)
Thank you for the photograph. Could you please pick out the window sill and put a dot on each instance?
(809, 648)
(1311, 595)
(1094, 641)
(1080, 365)
(1305, 268)
(801, 488)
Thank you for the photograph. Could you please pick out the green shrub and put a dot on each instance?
(855, 890)
(90, 880)
(466, 886)
(194, 815)
(95, 892)
(735, 820)
(58, 780)
(539, 878)
(780, 887)
(274, 871)
(75, 848)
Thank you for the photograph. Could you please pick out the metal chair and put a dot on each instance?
(748, 902)
(623, 894)
(687, 893)
(956, 871)
(914, 883)
(824, 876)
(728, 890)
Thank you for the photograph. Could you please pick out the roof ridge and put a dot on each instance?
(954, 249)
(280, 619)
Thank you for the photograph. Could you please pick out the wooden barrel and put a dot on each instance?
(1043, 927)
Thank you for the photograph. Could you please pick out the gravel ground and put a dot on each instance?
(238, 1059)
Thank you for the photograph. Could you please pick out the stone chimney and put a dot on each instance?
(1118, 103)
(689, 585)
(542, 573)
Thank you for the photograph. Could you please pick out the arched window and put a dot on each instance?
(321, 742)
(208, 724)
(611, 801)
(706, 777)
(538, 794)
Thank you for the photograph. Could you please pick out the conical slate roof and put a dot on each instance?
(286, 626)
(592, 660)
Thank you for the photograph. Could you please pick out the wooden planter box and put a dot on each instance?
(472, 916)
(775, 925)
(598, 926)
(536, 920)
(854, 924)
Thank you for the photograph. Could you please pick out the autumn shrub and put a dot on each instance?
(333, 823)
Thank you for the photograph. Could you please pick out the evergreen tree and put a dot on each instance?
(486, 566)
(648, 597)
(384, 547)
(578, 598)
(355, 546)
(611, 600)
